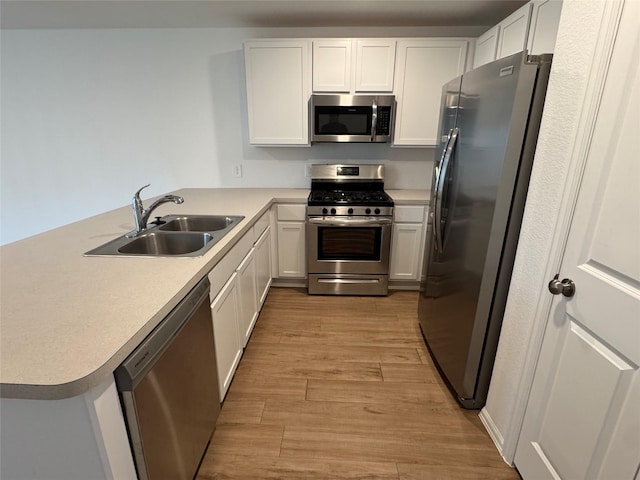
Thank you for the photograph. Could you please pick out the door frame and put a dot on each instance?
(579, 149)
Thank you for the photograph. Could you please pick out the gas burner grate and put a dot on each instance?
(342, 197)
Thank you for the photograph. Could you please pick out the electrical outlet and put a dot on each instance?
(237, 170)
(307, 170)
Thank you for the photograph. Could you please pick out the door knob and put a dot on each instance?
(565, 287)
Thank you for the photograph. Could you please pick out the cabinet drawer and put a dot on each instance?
(292, 213)
(260, 226)
(409, 214)
(219, 275)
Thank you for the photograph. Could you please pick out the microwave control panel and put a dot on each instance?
(384, 121)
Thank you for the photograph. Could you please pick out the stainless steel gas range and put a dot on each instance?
(349, 220)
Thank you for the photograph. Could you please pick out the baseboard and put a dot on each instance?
(289, 282)
(493, 432)
(302, 283)
(403, 285)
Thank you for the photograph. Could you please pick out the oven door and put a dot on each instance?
(348, 245)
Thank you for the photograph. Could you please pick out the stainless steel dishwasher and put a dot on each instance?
(169, 391)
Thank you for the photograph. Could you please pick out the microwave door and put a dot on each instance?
(343, 123)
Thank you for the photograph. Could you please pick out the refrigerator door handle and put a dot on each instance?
(439, 171)
(438, 228)
(436, 207)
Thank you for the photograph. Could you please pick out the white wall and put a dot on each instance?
(89, 116)
(575, 46)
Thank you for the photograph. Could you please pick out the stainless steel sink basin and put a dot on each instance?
(200, 223)
(177, 236)
(161, 243)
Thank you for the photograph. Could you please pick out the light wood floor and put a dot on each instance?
(344, 388)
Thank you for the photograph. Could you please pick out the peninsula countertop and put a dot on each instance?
(67, 321)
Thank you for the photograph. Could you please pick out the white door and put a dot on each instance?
(583, 416)
(247, 297)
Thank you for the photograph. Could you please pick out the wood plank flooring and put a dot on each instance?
(344, 388)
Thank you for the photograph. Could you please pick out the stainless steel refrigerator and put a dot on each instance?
(489, 125)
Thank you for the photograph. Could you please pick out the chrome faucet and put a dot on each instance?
(141, 216)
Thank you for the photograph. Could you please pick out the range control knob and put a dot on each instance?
(333, 211)
(325, 211)
(350, 211)
(377, 211)
(367, 211)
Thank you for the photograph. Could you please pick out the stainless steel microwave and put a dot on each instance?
(352, 118)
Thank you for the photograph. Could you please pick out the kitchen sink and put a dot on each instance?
(174, 236)
(160, 243)
(200, 223)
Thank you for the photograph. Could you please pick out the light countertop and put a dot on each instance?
(409, 197)
(67, 321)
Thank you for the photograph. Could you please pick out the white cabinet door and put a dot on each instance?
(332, 65)
(224, 310)
(486, 47)
(406, 251)
(407, 243)
(423, 67)
(513, 32)
(278, 88)
(545, 17)
(375, 63)
(263, 267)
(247, 297)
(582, 418)
(291, 249)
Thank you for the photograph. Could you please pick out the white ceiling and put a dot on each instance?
(251, 13)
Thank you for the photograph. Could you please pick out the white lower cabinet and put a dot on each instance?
(291, 249)
(236, 305)
(224, 310)
(291, 241)
(247, 297)
(407, 243)
(263, 266)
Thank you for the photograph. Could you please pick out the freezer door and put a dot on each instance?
(478, 183)
(448, 118)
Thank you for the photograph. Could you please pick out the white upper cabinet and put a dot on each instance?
(545, 17)
(278, 74)
(332, 66)
(353, 66)
(375, 62)
(423, 67)
(513, 32)
(486, 47)
(532, 27)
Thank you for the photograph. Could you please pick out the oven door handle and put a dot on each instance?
(351, 221)
(347, 281)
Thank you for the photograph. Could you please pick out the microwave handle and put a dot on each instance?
(374, 119)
